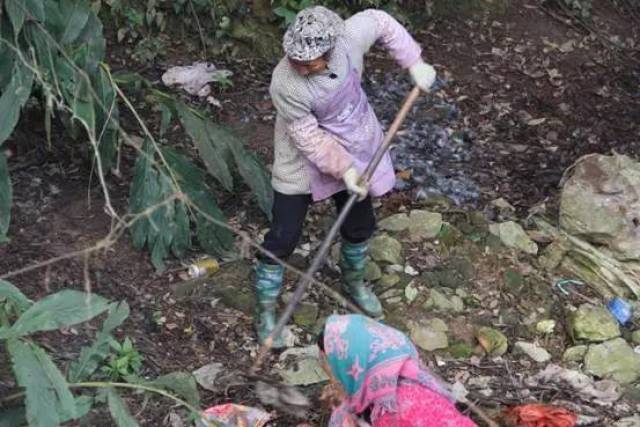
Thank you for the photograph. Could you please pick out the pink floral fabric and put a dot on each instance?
(380, 370)
(421, 407)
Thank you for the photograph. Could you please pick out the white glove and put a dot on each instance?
(423, 75)
(351, 180)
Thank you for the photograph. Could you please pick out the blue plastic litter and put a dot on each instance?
(621, 310)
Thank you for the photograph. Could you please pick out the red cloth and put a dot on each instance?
(421, 407)
(537, 415)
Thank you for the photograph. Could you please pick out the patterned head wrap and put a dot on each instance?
(313, 33)
(369, 359)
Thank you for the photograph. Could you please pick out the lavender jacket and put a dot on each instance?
(299, 138)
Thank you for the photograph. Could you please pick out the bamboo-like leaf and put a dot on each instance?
(212, 155)
(187, 173)
(47, 393)
(119, 411)
(64, 308)
(212, 237)
(182, 384)
(13, 98)
(35, 9)
(17, 13)
(11, 293)
(6, 196)
(161, 232)
(17, 416)
(182, 231)
(249, 166)
(82, 105)
(107, 115)
(91, 356)
(93, 44)
(7, 56)
(76, 15)
(144, 190)
(13, 417)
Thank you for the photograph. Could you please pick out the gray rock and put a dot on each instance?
(428, 338)
(545, 327)
(438, 300)
(385, 248)
(372, 272)
(513, 236)
(575, 354)
(388, 280)
(206, 376)
(635, 337)
(397, 222)
(494, 342)
(424, 225)
(613, 359)
(303, 366)
(594, 323)
(411, 292)
(436, 324)
(536, 353)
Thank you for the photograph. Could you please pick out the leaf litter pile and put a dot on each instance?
(527, 94)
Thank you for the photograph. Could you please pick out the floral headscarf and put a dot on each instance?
(313, 33)
(369, 358)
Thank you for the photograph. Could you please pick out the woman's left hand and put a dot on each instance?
(423, 75)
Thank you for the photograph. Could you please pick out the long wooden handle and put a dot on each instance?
(320, 256)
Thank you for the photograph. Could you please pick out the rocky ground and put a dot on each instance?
(526, 94)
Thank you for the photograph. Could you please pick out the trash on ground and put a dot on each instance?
(283, 397)
(232, 415)
(538, 415)
(602, 393)
(195, 79)
(204, 267)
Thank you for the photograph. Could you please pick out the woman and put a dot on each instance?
(379, 380)
(325, 134)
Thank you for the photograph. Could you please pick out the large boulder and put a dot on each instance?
(594, 323)
(600, 203)
(614, 360)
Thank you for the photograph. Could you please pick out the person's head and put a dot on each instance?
(310, 39)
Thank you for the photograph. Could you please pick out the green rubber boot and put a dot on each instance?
(268, 283)
(353, 260)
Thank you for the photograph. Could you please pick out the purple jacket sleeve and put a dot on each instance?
(372, 25)
(319, 147)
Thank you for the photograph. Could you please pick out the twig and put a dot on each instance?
(202, 39)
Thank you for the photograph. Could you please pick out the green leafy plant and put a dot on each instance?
(159, 175)
(124, 360)
(58, 56)
(45, 397)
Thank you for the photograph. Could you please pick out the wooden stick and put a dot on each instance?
(320, 256)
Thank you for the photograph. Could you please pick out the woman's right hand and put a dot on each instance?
(332, 395)
(353, 183)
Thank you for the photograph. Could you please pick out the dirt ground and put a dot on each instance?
(536, 93)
